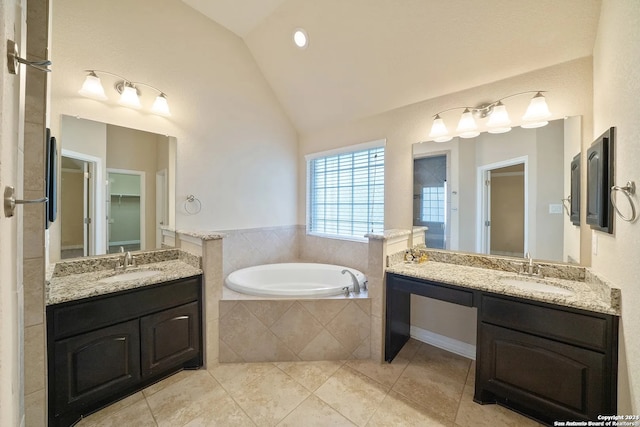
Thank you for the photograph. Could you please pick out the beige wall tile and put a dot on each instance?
(33, 225)
(363, 351)
(250, 339)
(268, 311)
(34, 407)
(296, 328)
(38, 24)
(377, 339)
(34, 170)
(225, 354)
(324, 310)
(34, 356)
(33, 291)
(226, 307)
(351, 326)
(212, 342)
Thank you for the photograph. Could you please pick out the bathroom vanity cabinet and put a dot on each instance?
(103, 348)
(553, 363)
(547, 361)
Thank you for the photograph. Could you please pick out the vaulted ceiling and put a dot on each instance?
(369, 56)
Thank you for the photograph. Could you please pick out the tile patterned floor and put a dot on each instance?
(424, 386)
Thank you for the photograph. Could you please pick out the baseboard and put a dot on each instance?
(449, 344)
(71, 247)
(125, 243)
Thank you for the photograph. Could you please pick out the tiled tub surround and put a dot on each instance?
(76, 279)
(280, 330)
(486, 272)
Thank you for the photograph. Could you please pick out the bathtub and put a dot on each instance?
(293, 280)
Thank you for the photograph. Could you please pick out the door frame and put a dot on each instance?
(96, 238)
(483, 202)
(162, 207)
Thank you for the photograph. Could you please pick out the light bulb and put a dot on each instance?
(129, 96)
(160, 106)
(439, 131)
(92, 87)
(537, 113)
(499, 119)
(467, 127)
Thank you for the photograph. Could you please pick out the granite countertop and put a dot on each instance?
(597, 297)
(72, 287)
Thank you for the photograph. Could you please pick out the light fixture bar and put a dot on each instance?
(128, 90)
(499, 122)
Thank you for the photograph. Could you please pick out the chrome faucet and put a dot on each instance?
(528, 267)
(128, 260)
(354, 280)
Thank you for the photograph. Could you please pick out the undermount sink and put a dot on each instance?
(132, 275)
(532, 285)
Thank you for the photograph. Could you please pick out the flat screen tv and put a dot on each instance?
(51, 173)
(600, 173)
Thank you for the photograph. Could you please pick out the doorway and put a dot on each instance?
(77, 205)
(125, 210)
(503, 220)
(430, 199)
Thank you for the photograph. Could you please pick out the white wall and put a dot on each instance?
(616, 83)
(569, 87)
(237, 150)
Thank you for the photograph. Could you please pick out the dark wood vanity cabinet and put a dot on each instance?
(103, 348)
(547, 361)
(550, 362)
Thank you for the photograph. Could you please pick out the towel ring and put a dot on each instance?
(564, 205)
(628, 190)
(196, 208)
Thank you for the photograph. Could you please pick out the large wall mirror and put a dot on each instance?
(500, 194)
(117, 189)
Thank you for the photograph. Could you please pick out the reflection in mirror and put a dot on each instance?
(116, 189)
(499, 194)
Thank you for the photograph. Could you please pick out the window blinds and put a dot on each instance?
(346, 193)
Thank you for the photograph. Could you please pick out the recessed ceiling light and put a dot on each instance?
(300, 38)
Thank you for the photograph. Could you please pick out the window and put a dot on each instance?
(346, 193)
(433, 204)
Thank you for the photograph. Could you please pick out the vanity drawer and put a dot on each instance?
(563, 325)
(427, 289)
(85, 315)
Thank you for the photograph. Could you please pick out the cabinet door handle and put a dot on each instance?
(10, 201)
(180, 317)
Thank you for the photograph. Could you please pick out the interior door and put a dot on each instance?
(12, 103)
(505, 207)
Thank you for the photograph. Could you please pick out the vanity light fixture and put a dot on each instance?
(537, 115)
(128, 90)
